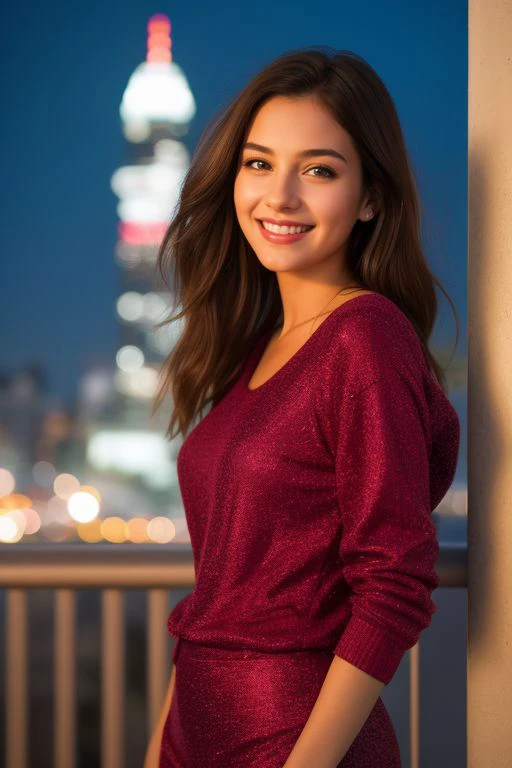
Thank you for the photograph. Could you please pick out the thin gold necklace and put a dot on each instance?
(323, 312)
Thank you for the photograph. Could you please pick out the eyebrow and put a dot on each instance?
(307, 152)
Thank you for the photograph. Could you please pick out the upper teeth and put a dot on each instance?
(284, 230)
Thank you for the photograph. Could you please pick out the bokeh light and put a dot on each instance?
(32, 521)
(12, 527)
(161, 530)
(130, 358)
(14, 501)
(138, 530)
(130, 306)
(83, 506)
(65, 485)
(114, 529)
(90, 532)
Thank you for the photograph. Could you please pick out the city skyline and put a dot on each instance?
(64, 137)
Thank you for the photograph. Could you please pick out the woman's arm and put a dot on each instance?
(377, 418)
(153, 752)
(346, 698)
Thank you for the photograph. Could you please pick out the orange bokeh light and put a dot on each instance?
(15, 501)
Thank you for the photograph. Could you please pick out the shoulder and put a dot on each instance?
(374, 314)
(373, 362)
(371, 334)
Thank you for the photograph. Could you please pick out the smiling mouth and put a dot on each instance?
(277, 229)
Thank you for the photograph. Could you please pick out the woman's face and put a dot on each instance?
(298, 167)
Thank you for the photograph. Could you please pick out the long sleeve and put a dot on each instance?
(388, 547)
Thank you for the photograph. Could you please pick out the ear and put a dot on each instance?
(370, 206)
(368, 211)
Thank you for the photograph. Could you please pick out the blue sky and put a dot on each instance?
(64, 68)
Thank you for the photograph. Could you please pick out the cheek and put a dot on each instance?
(243, 197)
(336, 207)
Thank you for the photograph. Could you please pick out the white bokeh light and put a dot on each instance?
(161, 530)
(130, 306)
(154, 307)
(130, 358)
(83, 507)
(12, 528)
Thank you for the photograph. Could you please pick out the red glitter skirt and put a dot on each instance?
(246, 709)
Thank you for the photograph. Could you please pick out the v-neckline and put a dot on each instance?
(260, 347)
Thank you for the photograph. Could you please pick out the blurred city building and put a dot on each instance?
(106, 472)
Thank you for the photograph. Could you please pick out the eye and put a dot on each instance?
(249, 164)
(327, 173)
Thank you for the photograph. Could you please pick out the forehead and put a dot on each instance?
(296, 124)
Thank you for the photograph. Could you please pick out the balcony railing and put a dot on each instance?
(114, 569)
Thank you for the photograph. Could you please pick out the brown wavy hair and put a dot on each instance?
(227, 298)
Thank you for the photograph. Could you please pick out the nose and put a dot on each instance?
(282, 193)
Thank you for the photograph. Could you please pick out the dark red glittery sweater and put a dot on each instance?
(309, 499)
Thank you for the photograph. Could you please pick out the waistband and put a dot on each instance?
(210, 651)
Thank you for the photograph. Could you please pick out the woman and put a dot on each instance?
(309, 486)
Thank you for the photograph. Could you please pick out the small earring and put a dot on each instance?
(369, 214)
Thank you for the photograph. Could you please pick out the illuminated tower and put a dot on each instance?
(156, 109)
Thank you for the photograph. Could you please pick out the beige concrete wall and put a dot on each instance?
(490, 385)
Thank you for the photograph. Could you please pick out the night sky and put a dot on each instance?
(64, 69)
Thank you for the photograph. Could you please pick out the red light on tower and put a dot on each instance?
(159, 39)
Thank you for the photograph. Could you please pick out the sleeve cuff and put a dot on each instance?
(370, 648)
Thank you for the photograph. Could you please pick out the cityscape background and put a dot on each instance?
(103, 107)
(97, 144)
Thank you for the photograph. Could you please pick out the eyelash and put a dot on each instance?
(331, 173)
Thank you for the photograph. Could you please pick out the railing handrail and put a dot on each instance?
(142, 566)
(101, 566)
